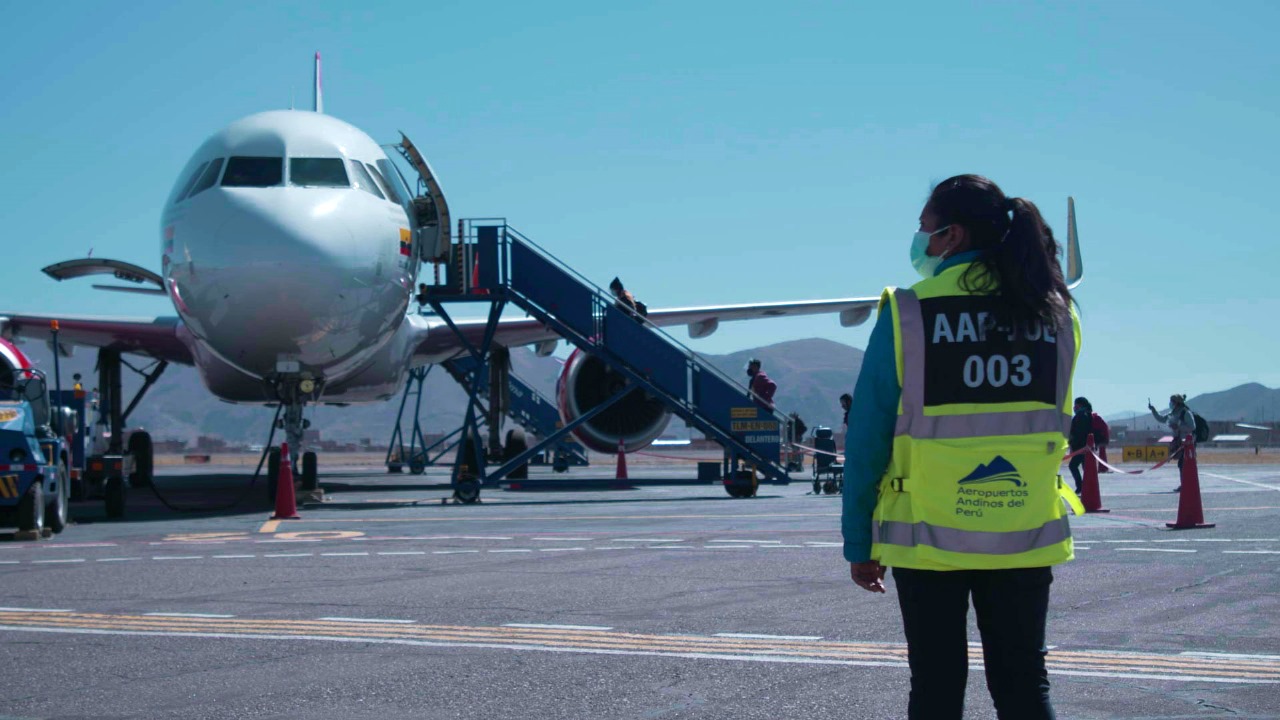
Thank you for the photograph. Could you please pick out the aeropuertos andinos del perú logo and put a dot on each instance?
(997, 470)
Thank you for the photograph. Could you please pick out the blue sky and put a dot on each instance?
(710, 152)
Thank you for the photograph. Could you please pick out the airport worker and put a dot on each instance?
(1181, 422)
(846, 401)
(962, 408)
(761, 386)
(1078, 437)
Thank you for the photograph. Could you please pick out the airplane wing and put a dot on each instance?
(158, 337)
(440, 343)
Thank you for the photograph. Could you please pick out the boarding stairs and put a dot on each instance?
(499, 265)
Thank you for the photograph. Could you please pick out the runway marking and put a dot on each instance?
(648, 540)
(1238, 480)
(343, 554)
(233, 557)
(1163, 550)
(178, 557)
(1231, 656)
(510, 550)
(568, 549)
(123, 559)
(404, 552)
(269, 526)
(756, 542)
(753, 636)
(51, 562)
(1085, 663)
(452, 552)
(10, 562)
(33, 610)
(557, 627)
(1251, 552)
(368, 620)
(565, 539)
(267, 555)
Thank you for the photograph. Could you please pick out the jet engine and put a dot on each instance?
(637, 419)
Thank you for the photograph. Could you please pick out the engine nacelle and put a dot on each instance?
(636, 419)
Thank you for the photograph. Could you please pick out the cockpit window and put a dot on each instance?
(208, 179)
(318, 172)
(386, 186)
(395, 179)
(364, 181)
(257, 172)
(191, 181)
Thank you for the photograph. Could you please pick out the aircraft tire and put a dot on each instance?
(273, 474)
(416, 467)
(467, 491)
(56, 512)
(31, 509)
(115, 496)
(516, 443)
(142, 450)
(310, 474)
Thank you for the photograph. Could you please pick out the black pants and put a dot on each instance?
(1011, 606)
(1074, 466)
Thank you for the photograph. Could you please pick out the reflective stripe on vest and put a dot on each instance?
(913, 421)
(970, 541)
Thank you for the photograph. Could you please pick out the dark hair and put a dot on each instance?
(1083, 401)
(616, 284)
(1020, 256)
(753, 361)
(846, 396)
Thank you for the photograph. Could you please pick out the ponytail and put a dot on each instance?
(1019, 260)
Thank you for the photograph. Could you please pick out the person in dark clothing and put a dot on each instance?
(627, 301)
(1081, 426)
(761, 386)
(846, 402)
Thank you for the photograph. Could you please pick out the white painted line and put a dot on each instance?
(1122, 541)
(512, 550)
(287, 554)
(369, 620)
(770, 547)
(648, 540)
(557, 627)
(754, 542)
(297, 540)
(824, 544)
(10, 562)
(50, 562)
(36, 610)
(776, 659)
(1243, 482)
(670, 547)
(616, 547)
(1230, 656)
(230, 557)
(188, 615)
(754, 636)
(565, 539)
(477, 537)
(124, 559)
(560, 549)
(1251, 552)
(178, 557)
(1082, 547)
(1165, 550)
(350, 554)
(729, 547)
(404, 552)
(452, 552)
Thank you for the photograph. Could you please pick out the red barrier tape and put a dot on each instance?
(1172, 456)
(815, 451)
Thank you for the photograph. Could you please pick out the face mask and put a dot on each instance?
(924, 263)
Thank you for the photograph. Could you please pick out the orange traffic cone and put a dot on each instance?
(622, 461)
(1091, 497)
(286, 503)
(1190, 510)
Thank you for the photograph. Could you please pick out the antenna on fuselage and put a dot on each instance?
(318, 106)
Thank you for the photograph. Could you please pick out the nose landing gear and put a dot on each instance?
(295, 390)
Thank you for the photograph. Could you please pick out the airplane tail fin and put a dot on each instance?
(318, 104)
(1075, 264)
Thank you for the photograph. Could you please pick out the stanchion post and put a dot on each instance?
(1091, 496)
(1190, 509)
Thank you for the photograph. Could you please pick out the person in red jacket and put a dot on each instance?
(1101, 437)
(761, 386)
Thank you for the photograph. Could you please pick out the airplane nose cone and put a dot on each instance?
(283, 278)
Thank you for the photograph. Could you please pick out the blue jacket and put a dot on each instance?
(869, 441)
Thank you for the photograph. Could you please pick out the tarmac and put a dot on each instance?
(609, 601)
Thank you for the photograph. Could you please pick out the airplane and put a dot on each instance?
(290, 247)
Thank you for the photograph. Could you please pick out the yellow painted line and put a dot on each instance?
(269, 526)
(1072, 662)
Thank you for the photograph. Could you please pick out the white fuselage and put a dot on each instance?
(286, 239)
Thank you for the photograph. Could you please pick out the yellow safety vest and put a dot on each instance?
(974, 480)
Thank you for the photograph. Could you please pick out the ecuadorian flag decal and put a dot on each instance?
(997, 470)
(406, 242)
